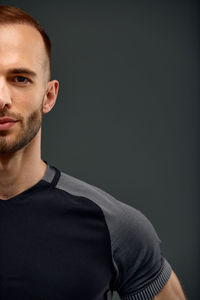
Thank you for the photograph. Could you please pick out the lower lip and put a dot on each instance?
(6, 126)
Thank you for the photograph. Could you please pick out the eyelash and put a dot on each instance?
(26, 80)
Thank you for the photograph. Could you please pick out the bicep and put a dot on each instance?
(172, 290)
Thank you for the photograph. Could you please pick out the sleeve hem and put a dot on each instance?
(155, 287)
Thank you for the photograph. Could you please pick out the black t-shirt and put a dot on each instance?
(63, 239)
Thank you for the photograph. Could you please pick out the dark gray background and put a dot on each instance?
(126, 119)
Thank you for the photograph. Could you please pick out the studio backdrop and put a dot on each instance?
(127, 115)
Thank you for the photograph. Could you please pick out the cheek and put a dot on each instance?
(26, 99)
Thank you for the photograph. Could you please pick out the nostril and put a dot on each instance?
(4, 104)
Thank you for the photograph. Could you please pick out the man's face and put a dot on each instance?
(23, 85)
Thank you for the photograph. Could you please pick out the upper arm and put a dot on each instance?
(172, 290)
(141, 270)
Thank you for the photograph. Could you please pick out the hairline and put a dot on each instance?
(47, 62)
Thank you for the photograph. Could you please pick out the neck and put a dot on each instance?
(22, 169)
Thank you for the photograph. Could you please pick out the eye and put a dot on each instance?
(21, 79)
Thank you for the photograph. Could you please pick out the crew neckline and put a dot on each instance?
(48, 178)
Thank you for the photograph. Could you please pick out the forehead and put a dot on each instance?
(21, 44)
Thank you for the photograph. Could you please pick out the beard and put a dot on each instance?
(28, 131)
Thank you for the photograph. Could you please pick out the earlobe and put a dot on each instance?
(50, 96)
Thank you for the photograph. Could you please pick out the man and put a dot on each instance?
(61, 238)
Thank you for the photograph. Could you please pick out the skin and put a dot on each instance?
(27, 97)
(172, 290)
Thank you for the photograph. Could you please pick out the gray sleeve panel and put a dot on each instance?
(49, 174)
(152, 289)
(141, 271)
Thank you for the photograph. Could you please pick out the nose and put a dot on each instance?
(5, 99)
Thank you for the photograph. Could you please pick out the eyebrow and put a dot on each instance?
(23, 71)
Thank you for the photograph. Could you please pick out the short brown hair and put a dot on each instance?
(15, 15)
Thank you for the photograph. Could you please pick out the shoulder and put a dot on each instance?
(135, 245)
(127, 225)
(118, 215)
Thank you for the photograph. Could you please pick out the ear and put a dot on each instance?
(50, 96)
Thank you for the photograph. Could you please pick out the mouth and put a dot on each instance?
(6, 120)
(6, 123)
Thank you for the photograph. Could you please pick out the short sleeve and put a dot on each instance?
(142, 271)
(139, 269)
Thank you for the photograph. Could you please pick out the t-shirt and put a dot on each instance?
(63, 239)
